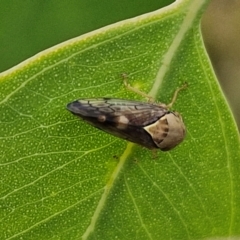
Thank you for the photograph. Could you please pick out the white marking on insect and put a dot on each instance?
(101, 118)
(122, 122)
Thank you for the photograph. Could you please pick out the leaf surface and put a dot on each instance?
(63, 179)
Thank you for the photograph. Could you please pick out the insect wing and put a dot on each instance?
(122, 118)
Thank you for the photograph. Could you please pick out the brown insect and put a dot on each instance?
(151, 125)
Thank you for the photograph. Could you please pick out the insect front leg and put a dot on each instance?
(154, 154)
(175, 95)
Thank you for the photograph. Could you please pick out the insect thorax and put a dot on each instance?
(168, 131)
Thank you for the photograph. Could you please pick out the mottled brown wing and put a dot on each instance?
(119, 117)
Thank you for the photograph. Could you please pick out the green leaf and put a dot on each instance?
(63, 179)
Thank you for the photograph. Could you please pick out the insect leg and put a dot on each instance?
(175, 95)
(154, 154)
(129, 87)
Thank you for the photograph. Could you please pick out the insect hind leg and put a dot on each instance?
(129, 87)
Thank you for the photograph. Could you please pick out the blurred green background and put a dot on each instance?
(28, 27)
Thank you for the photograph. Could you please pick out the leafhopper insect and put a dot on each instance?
(150, 125)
